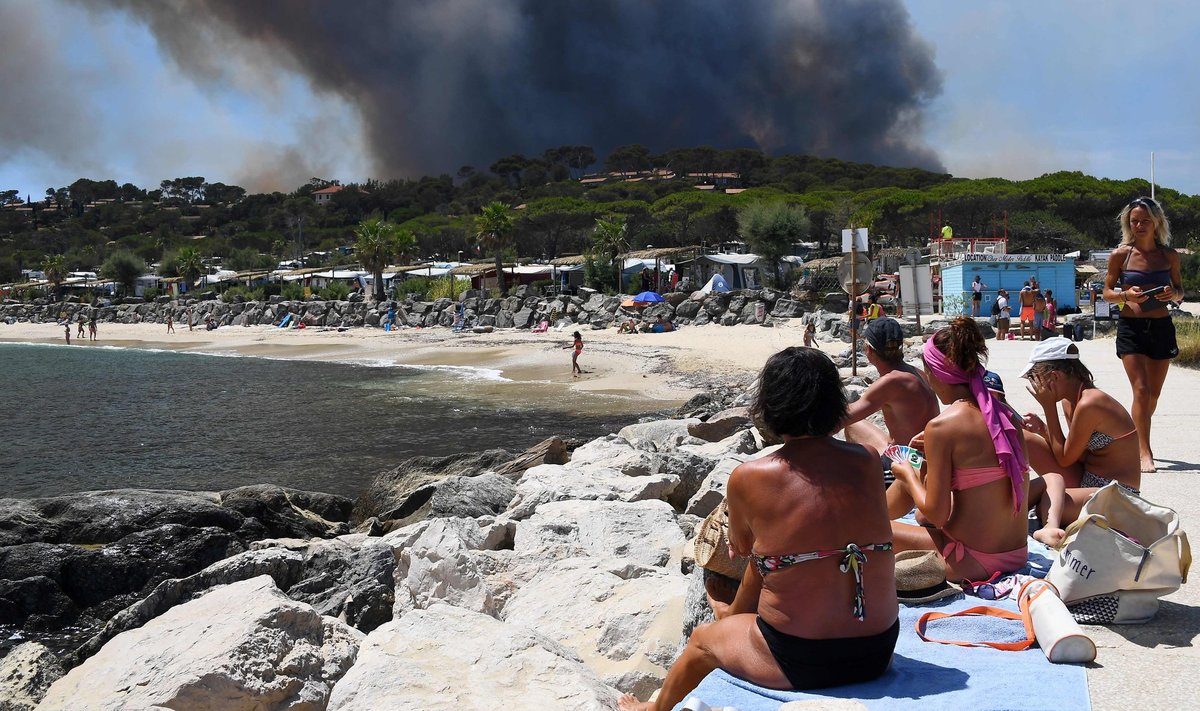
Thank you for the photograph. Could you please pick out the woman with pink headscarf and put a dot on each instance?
(971, 495)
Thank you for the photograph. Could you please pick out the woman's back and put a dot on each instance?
(818, 495)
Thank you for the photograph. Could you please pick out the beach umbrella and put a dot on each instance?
(648, 297)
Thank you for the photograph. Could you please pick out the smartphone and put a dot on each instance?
(1154, 292)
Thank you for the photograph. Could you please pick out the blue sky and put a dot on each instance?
(1029, 88)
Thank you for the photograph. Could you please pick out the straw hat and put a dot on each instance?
(921, 578)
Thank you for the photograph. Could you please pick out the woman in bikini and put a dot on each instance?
(1145, 333)
(578, 346)
(1098, 448)
(817, 607)
(971, 498)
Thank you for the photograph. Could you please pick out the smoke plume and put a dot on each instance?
(444, 83)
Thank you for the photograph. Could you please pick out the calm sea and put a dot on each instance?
(78, 419)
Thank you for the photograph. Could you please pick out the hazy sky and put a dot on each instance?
(1026, 88)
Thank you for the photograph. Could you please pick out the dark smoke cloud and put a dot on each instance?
(444, 83)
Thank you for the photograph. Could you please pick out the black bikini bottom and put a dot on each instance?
(819, 663)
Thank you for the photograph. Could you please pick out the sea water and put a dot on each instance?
(85, 418)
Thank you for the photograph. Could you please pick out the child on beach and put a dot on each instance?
(67, 331)
(92, 328)
(578, 346)
(79, 333)
(810, 335)
(170, 323)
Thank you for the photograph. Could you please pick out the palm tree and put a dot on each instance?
(493, 231)
(611, 238)
(54, 267)
(377, 242)
(190, 265)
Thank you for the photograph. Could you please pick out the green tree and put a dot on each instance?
(55, 268)
(770, 229)
(124, 268)
(493, 232)
(189, 264)
(377, 244)
(611, 238)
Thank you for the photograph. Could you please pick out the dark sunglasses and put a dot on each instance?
(1145, 202)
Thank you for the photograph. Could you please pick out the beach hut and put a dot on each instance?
(1007, 271)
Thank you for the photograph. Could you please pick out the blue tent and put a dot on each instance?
(648, 297)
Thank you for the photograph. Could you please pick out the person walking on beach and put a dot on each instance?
(1143, 275)
(79, 333)
(92, 328)
(170, 323)
(578, 346)
(1039, 314)
(67, 331)
(191, 321)
(1026, 298)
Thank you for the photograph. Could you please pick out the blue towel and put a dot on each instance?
(926, 676)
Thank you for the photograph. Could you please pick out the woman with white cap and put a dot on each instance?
(1098, 447)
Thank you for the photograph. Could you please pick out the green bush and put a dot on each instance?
(292, 291)
(336, 291)
(242, 293)
(418, 286)
(1187, 336)
(151, 293)
(447, 287)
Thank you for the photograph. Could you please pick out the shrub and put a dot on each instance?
(1187, 335)
(336, 291)
(292, 291)
(151, 293)
(417, 286)
(242, 293)
(447, 287)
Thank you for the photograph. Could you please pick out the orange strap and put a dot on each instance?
(980, 611)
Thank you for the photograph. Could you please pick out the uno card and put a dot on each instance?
(904, 453)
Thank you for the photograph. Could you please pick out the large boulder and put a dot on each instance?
(645, 532)
(721, 425)
(436, 562)
(447, 658)
(26, 673)
(289, 513)
(550, 482)
(242, 647)
(398, 494)
(615, 453)
(659, 434)
(621, 619)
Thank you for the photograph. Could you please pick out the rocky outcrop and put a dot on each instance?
(404, 495)
(26, 673)
(448, 658)
(242, 647)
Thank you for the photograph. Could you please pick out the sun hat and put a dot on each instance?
(884, 332)
(992, 381)
(1057, 348)
(921, 578)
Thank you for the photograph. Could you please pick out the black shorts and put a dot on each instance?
(976, 296)
(821, 663)
(1151, 337)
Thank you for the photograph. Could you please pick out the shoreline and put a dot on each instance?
(630, 373)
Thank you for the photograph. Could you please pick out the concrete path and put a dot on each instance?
(1149, 666)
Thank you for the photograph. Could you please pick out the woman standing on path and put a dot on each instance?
(971, 497)
(1143, 275)
(817, 605)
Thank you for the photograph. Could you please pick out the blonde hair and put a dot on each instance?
(1162, 226)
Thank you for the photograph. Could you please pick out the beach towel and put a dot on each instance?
(936, 677)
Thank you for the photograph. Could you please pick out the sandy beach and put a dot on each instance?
(631, 372)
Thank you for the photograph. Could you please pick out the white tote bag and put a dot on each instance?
(1119, 558)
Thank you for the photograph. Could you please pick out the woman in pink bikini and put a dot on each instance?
(971, 499)
(818, 606)
(1098, 448)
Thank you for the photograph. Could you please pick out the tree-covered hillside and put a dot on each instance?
(674, 199)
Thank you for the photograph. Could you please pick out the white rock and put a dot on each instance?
(622, 620)
(244, 646)
(643, 531)
(26, 672)
(450, 658)
(663, 434)
(738, 444)
(436, 563)
(557, 482)
(613, 452)
(712, 489)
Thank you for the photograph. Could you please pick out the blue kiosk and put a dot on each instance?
(1005, 271)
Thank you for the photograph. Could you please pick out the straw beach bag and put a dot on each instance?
(712, 545)
(1119, 558)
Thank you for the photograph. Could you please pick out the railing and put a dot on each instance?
(968, 245)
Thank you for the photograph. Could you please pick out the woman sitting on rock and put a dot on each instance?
(1099, 447)
(817, 606)
(971, 499)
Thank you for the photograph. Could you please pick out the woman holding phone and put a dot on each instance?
(1143, 275)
